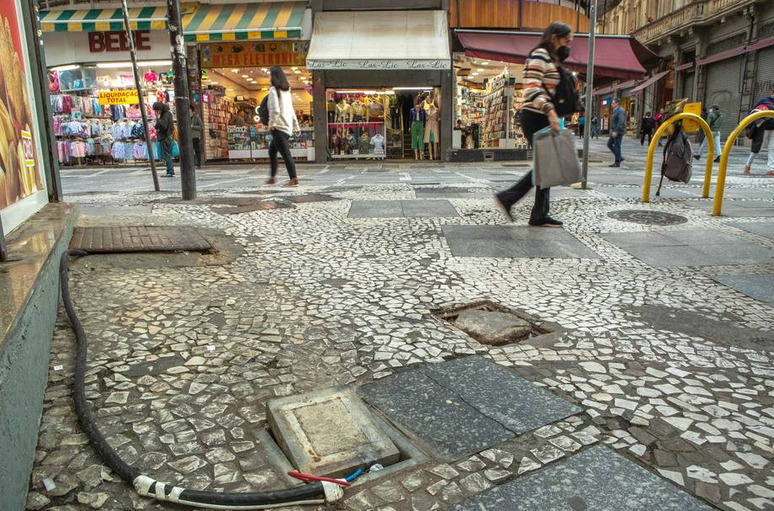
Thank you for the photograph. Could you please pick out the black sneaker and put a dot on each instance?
(502, 208)
(716, 159)
(615, 165)
(696, 157)
(546, 222)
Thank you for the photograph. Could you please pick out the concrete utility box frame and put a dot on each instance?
(329, 433)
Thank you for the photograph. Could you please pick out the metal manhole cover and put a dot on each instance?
(639, 216)
(141, 238)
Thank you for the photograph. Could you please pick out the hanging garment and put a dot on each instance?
(378, 142)
(431, 125)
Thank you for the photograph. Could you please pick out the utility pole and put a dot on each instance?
(589, 93)
(146, 132)
(182, 101)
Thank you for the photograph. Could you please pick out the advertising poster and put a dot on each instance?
(20, 172)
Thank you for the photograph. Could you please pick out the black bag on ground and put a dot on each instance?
(678, 158)
(263, 111)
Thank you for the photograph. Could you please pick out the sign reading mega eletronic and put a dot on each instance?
(19, 170)
(252, 54)
(117, 41)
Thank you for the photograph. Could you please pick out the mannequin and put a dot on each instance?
(378, 142)
(359, 110)
(351, 142)
(432, 131)
(341, 111)
(418, 131)
(349, 112)
(364, 144)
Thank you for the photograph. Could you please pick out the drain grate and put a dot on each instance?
(139, 239)
(638, 216)
(492, 324)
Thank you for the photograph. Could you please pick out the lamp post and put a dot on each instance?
(589, 97)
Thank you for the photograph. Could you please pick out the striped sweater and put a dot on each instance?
(540, 73)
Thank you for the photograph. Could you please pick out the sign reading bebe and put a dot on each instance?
(252, 54)
(100, 42)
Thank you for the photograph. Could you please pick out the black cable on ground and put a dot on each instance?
(312, 493)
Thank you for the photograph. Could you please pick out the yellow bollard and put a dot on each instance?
(654, 143)
(718, 204)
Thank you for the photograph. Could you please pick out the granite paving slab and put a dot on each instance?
(461, 407)
(597, 479)
(751, 209)
(765, 229)
(760, 287)
(402, 209)
(376, 209)
(513, 242)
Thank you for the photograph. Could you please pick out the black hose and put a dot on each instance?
(312, 493)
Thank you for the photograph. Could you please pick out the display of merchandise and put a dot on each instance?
(357, 124)
(496, 121)
(301, 146)
(239, 142)
(217, 112)
(515, 133)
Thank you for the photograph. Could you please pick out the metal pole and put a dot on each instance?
(589, 88)
(146, 131)
(182, 101)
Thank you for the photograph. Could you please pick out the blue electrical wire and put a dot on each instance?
(353, 476)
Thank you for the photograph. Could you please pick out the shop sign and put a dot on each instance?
(252, 54)
(118, 97)
(19, 172)
(379, 64)
(100, 42)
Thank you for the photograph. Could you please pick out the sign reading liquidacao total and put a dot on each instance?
(118, 97)
(253, 54)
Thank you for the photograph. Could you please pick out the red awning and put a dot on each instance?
(624, 85)
(613, 56)
(683, 67)
(765, 43)
(653, 79)
(723, 55)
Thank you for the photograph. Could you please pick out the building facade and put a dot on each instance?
(712, 51)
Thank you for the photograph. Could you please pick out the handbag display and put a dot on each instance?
(555, 159)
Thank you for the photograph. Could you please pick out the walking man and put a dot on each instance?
(165, 127)
(594, 126)
(196, 135)
(714, 119)
(646, 128)
(617, 132)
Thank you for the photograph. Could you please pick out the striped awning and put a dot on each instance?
(246, 21)
(103, 20)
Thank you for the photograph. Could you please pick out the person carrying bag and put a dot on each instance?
(551, 93)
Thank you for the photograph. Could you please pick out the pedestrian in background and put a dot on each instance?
(617, 132)
(196, 135)
(165, 128)
(541, 78)
(659, 118)
(594, 126)
(714, 119)
(283, 124)
(646, 128)
(762, 132)
(581, 125)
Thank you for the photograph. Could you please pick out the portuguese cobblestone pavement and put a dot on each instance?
(671, 368)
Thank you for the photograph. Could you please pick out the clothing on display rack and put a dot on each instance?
(377, 141)
(432, 115)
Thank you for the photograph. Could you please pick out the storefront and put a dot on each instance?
(382, 84)
(23, 187)
(231, 48)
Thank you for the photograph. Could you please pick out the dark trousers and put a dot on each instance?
(280, 144)
(531, 123)
(197, 152)
(648, 134)
(614, 144)
(166, 155)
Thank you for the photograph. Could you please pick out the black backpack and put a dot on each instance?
(566, 99)
(678, 158)
(263, 111)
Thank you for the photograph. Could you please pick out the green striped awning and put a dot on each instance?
(246, 21)
(103, 20)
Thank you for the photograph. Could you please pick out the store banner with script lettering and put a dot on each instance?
(252, 54)
(118, 97)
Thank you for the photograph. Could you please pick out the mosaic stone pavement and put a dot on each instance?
(182, 359)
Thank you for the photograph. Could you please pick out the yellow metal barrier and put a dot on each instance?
(727, 151)
(654, 143)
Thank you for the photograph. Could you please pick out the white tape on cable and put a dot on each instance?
(333, 491)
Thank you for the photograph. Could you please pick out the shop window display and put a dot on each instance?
(357, 123)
